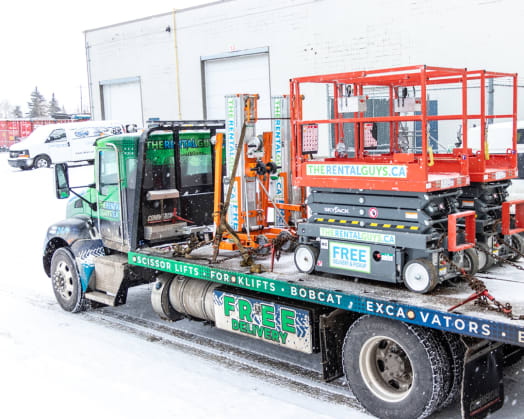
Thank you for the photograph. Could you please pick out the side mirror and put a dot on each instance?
(61, 181)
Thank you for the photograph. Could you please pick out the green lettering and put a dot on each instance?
(229, 305)
(244, 310)
(243, 327)
(288, 320)
(283, 337)
(234, 324)
(268, 316)
(259, 330)
(274, 335)
(267, 333)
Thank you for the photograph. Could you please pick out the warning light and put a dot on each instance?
(377, 256)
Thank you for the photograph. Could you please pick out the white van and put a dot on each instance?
(499, 140)
(500, 137)
(60, 143)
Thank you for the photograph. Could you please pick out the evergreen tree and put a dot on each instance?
(54, 107)
(5, 109)
(17, 112)
(37, 105)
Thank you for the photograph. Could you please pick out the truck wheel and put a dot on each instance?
(41, 162)
(420, 276)
(486, 261)
(66, 281)
(517, 242)
(471, 261)
(160, 298)
(394, 369)
(454, 352)
(306, 258)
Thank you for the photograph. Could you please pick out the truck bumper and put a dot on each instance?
(21, 163)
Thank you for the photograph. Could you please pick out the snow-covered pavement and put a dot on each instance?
(55, 364)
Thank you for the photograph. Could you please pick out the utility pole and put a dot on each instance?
(81, 104)
(491, 102)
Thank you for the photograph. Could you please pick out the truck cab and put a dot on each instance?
(149, 189)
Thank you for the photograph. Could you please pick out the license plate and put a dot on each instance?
(274, 323)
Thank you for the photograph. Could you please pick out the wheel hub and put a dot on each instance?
(63, 281)
(386, 369)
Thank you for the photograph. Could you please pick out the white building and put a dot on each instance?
(256, 46)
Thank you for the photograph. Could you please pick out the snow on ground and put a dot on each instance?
(55, 364)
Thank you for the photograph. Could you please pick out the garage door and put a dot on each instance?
(237, 74)
(122, 101)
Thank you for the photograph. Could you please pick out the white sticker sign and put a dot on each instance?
(352, 257)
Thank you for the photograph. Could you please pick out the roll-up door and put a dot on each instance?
(122, 101)
(243, 73)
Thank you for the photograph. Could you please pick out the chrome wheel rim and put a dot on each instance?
(63, 281)
(386, 369)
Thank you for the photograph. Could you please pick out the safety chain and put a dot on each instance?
(483, 297)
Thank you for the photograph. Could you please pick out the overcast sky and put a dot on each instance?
(42, 43)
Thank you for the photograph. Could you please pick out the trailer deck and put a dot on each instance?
(359, 295)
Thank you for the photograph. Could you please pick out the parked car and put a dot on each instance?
(60, 143)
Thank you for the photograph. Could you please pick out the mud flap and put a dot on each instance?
(482, 386)
(86, 251)
(333, 328)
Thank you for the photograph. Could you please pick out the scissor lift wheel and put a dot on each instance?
(306, 258)
(420, 276)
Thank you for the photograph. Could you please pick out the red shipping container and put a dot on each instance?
(25, 128)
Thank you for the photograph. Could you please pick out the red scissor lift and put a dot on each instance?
(490, 173)
(389, 208)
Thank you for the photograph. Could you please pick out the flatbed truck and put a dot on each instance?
(404, 354)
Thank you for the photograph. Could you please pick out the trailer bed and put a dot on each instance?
(382, 299)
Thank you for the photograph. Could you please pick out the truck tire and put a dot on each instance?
(454, 352)
(420, 276)
(66, 281)
(394, 369)
(41, 162)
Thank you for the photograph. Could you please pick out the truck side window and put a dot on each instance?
(108, 171)
(56, 135)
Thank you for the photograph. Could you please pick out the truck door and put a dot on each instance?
(58, 146)
(109, 199)
(195, 177)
